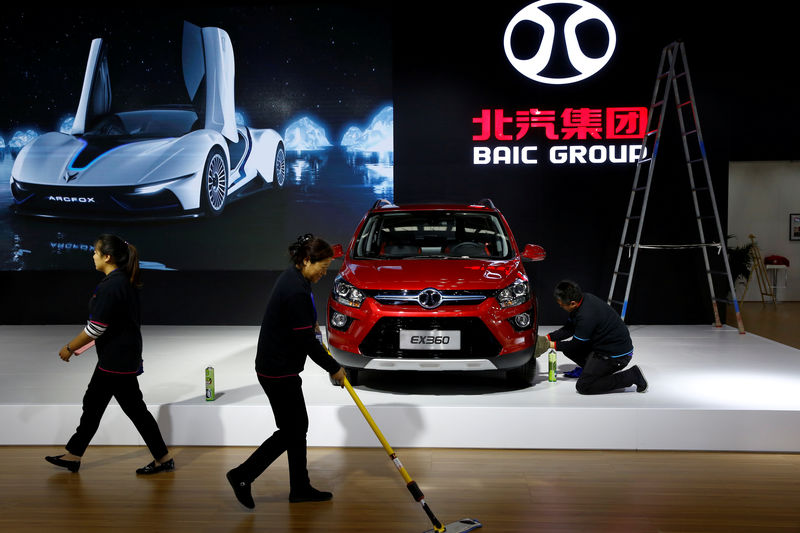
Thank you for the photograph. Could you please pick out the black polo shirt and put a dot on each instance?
(287, 333)
(115, 307)
(595, 326)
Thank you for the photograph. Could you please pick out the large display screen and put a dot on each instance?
(210, 138)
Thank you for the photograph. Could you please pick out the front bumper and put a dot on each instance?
(504, 362)
(93, 202)
(489, 340)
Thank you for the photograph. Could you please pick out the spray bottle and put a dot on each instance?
(551, 366)
(210, 396)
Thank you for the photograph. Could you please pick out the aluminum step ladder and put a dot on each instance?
(673, 75)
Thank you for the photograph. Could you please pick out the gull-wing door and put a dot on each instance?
(96, 93)
(207, 57)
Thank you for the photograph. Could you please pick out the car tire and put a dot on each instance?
(214, 187)
(352, 375)
(523, 375)
(279, 169)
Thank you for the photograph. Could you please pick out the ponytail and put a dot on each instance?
(132, 268)
(124, 255)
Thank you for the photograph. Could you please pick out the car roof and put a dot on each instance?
(382, 206)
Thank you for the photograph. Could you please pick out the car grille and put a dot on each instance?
(383, 340)
(448, 297)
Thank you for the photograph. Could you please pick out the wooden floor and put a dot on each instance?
(777, 321)
(507, 490)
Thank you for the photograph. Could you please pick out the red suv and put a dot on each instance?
(434, 287)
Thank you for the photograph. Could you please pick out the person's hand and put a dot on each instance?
(339, 377)
(64, 353)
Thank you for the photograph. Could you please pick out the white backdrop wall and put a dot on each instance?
(761, 195)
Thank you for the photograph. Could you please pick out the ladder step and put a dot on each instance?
(706, 217)
(622, 273)
(617, 302)
(662, 76)
(634, 217)
(724, 300)
(690, 132)
(700, 189)
(680, 74)
(659, 103)
(695, 161)
(684, 104)
(651, 132)
(643, 161)
(717, 273)
(637, 189)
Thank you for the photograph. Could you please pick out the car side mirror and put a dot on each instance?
(337, 251)
(534, 252)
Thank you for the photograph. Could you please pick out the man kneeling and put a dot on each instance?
(600, 342)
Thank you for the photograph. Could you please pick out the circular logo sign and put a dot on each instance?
(430, 298)
(586, 66)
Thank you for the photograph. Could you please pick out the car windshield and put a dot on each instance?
(437, 234)
(146, 123)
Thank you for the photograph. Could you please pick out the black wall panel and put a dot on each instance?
(446, 67)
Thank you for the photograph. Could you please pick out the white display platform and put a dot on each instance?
(710, 389)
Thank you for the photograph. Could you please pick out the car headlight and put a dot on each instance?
(154, 188)
(515, 294)
(346, 294)
(17, 186)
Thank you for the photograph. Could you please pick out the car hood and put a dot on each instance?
(55, 159)
(442, 274)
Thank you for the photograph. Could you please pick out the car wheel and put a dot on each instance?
(352, 375)
(215, 182)
(279, 173)
(523, 375)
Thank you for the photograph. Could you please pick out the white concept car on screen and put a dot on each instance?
(180, 160)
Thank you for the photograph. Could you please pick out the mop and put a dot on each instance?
(463, 525)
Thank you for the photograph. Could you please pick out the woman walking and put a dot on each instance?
(114, 324)
(287, 336)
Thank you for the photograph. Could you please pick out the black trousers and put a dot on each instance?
(289, 408)
(601, 373)
(125, 388)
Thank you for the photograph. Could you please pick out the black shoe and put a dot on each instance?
(57, 460)
(309, 494)
(641, 383)
(241, 489)
(151, 468)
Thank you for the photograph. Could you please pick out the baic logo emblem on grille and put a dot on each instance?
(430, 298)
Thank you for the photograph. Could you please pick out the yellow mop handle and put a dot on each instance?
(377, 431)
(412, 486)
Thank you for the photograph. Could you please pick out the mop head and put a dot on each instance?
(465, 524)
